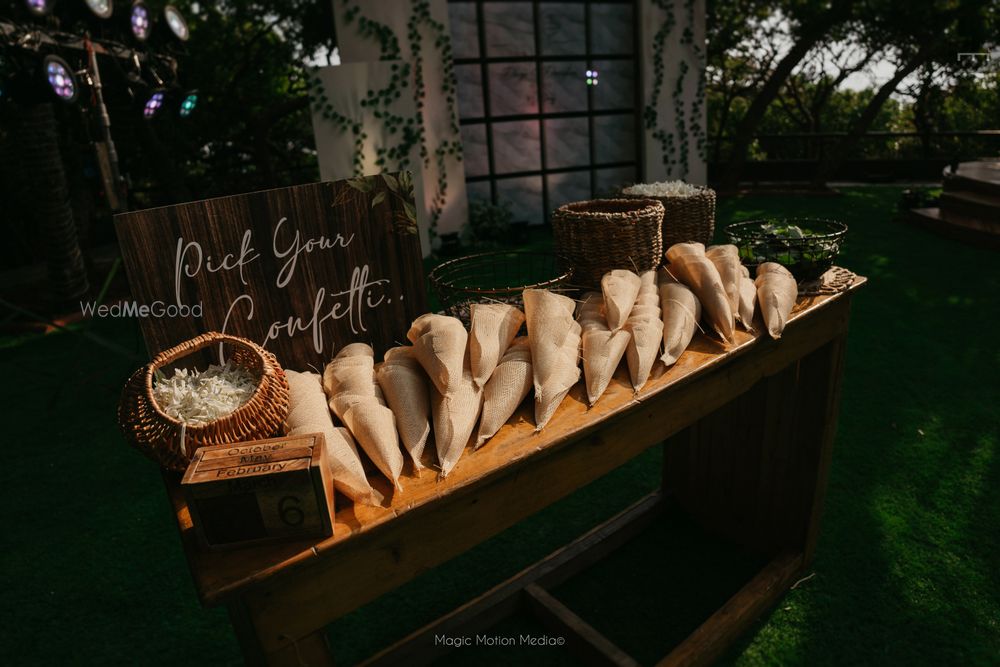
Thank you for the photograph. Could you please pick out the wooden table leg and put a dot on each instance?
(755, 470)
(313, 650)
(727, 470)
(830, 371)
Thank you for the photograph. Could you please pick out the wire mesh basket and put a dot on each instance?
(495, 277)
(804, 246)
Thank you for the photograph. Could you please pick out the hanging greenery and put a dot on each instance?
(675, 145)
(408, 132)
(659, 68)
(697, 129)
(678, 100)
(421, 16)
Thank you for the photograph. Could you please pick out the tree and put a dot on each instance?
(919, 34)
(810, 27)
(808, 92)
(742, 44)
(252, 127)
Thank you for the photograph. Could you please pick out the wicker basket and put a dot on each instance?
(492, 277)
(158, 435)
(603, 234)
(688, 218)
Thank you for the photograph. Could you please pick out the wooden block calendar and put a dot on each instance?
(261, 491)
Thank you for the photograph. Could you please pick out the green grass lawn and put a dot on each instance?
(907, 570)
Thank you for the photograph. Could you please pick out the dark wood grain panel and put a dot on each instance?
(301, 270)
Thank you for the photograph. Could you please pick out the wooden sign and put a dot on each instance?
(302, 271)
(261, 491)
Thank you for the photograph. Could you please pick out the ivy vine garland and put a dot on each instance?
(675, 146)
(407, 131)
(659, 43)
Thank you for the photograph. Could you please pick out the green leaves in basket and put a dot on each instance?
(783, 230)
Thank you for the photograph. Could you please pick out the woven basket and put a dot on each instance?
(685, 219)
(158, 435)
(603, 234)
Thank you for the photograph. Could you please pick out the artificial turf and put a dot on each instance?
(907, 571)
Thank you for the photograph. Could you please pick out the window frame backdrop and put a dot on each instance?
(522, 48)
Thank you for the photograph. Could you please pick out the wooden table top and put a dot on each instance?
(220, 575)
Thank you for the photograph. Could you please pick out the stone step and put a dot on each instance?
(972, 204)
(982, 177)
(957, 226)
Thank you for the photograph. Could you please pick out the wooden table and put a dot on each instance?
(748, 433)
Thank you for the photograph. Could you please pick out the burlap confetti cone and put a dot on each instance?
(374, 426)
(726, 259)
(493, 327)
(341, 403)
(620, 288)
(439, 343)
(646, 331)
(689, 265)
(603, 349)
(308, 413)
(681, 312)
(776, 294)
(406, 388)
(506, 389)
(363, 350)
(341, 375)
(645, 312)
(554, 337)
(650, 299)
(748, 302)
(356, 399)
(455, 415)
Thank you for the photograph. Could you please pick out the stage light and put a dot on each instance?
(60, 77)
(39, 7)
(90, 16)
(102, 9)
(176, 22)
(140, 20)
(591, 77)
(189, 103)
(153, 104)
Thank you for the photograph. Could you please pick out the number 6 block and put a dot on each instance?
(262, 491)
